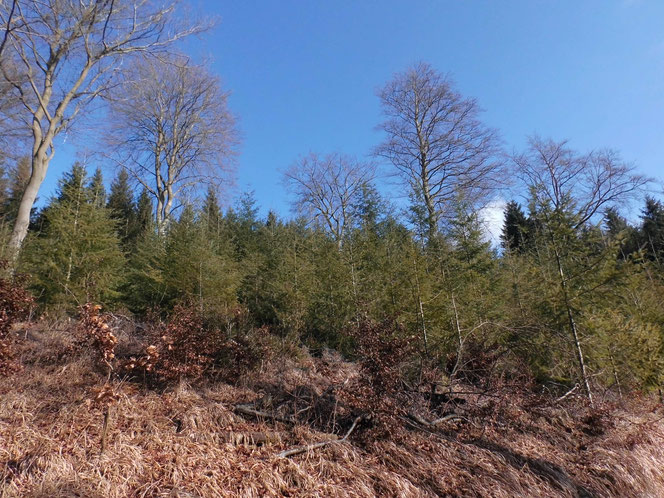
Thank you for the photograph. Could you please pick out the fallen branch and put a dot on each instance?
(435, 423)
(248, 410)
(419, 419)
(313, 446)
(568, 393)
(447, 418)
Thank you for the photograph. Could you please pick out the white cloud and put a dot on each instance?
(492, 216)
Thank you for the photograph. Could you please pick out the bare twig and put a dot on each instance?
(104, 431)
(568, 393)
(314, 446)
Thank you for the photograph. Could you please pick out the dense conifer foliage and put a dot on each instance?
(571, 300)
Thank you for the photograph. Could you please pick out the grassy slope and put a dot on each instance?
(181, 443)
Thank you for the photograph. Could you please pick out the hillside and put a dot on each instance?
(200, 439)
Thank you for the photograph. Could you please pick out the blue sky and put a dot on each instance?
(303, 74)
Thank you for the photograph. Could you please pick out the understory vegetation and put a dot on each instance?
(246, 356)
(110, 406)
(235, 355)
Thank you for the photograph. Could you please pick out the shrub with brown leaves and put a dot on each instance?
(489, 366)
(189, 346)
(97, 331)
(15, 303)
(382, 350)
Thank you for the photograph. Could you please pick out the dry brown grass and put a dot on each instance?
(175, 443)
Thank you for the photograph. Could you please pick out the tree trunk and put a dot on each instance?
(573, 329)
(615, 376)
(457, 327)
(39, 166)
(425, 338)
(432, 221)
(161, 222)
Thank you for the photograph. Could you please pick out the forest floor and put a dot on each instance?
(202, 440)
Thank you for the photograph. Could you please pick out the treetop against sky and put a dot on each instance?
(303, 76)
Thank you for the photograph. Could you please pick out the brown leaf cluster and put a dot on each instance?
(15, 304)
(382, 349)
(97, 331)
(187, 346)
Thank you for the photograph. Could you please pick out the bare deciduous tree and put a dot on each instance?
(572, 188)
(66, 53)
(12, 134)
(436, 141)
(172, 129)
(590, 181)
(326, 188)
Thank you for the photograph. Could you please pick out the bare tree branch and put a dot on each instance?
(327, 188)
(171, 129)
(585, 183)
(436, 141)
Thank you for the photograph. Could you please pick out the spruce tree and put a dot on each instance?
(145, 286)
(620, 232)
(211, 212)
(144, 212)
(97, 189)
(121, 205)
(15, 182)
(652, 230)
(515, 234)
(77, 256)
(197, 269)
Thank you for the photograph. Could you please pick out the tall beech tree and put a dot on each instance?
(59, 56)
(172, 130)
(436, 142)
(327, 189)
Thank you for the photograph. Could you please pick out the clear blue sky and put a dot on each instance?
(303, 74)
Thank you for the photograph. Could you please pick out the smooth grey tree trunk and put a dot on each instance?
(573, 329)
(39, 166)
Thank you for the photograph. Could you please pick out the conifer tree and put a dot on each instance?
(16, 180)
(620, 232)
(145, 286)
(196, 268)
(77, 256)
(244, 223)
(97, 189)
(144, 212)
(121, 205)
(264, 286)
(652, 230)
(516, 230)
(211, 212)
(569, 191)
